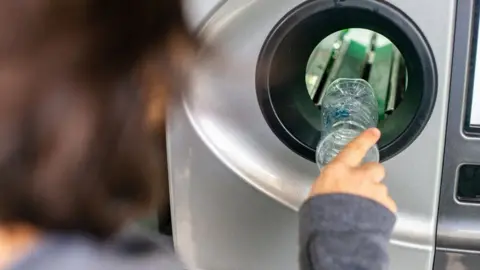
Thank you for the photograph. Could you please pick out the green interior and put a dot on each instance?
(359, 53)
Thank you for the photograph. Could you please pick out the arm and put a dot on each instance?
(344, 232)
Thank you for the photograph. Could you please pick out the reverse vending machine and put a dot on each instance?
(242, 145)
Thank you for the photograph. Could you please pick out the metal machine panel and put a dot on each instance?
(458, 230)
(197, 11)
(236, 187)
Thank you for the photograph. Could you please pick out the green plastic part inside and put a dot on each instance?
(379, 78)
(354, 61)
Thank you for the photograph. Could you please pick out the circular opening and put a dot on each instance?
(363, 54)
(285, 83)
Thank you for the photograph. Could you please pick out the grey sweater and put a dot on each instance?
(337, 232)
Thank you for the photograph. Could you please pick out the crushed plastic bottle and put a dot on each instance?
(348, 108)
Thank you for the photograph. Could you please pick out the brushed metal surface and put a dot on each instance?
(197, 11)
(458, 230)
(220, 146)
(451, 260)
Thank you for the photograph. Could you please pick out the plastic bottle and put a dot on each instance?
(348, 108)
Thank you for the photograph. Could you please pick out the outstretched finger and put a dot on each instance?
(356, 150)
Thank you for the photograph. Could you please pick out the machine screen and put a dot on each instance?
(475, 97)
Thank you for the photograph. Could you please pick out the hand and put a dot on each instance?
(345, 174)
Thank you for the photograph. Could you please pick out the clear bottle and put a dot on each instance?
(348, 108)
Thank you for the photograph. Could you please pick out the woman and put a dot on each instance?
(78, 156)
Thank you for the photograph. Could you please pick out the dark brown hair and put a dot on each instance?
(76, 150)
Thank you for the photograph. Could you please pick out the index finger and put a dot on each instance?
(356, 150)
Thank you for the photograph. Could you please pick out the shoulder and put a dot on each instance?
(132, 249)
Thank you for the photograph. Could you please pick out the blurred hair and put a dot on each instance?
(77, 152)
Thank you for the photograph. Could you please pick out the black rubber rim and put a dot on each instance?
(280, 77)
